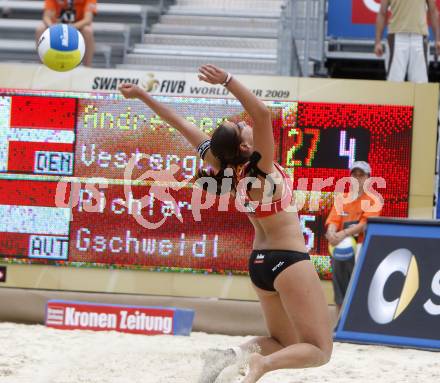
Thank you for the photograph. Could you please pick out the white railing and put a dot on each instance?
(301, 37)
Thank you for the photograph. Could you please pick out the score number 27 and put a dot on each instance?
(298, 142)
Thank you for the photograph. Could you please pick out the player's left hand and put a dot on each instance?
(130, 90)
(212, 74)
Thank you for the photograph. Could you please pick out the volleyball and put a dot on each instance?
(344, 250)
(61, 47)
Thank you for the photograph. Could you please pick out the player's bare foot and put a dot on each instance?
(214, 362)
(256, 369)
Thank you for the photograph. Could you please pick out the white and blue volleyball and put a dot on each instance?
(61, 47)
(344, 250)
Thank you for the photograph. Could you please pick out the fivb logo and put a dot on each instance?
(381, 310)
(403, 261)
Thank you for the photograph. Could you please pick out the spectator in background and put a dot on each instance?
(349, 222)
(408, 38)
(78, 13)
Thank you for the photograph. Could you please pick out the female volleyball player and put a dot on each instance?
(293, 302)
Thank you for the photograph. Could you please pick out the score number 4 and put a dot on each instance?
(343, 151)
(298, 141)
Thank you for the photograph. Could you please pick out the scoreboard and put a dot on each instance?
(65, 197)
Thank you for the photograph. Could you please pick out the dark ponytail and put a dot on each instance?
(226, 180)
(225, 146)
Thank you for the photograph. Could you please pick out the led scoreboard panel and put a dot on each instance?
(97, 180)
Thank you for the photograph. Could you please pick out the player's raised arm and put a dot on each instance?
(262, 123)
(191, 132)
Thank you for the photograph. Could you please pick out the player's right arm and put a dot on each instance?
(191, 132)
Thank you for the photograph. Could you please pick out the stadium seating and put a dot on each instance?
(241, 36)
(228, 8)
(24, 51)
(116, 26)
(115, 35)
(244, 36)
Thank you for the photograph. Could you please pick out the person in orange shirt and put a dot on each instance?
(78, 13)
(350, 219)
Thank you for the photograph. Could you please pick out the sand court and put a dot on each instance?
(37, 354)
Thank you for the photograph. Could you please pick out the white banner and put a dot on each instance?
(29, 76)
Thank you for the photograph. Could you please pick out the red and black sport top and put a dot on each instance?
(260, 209)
